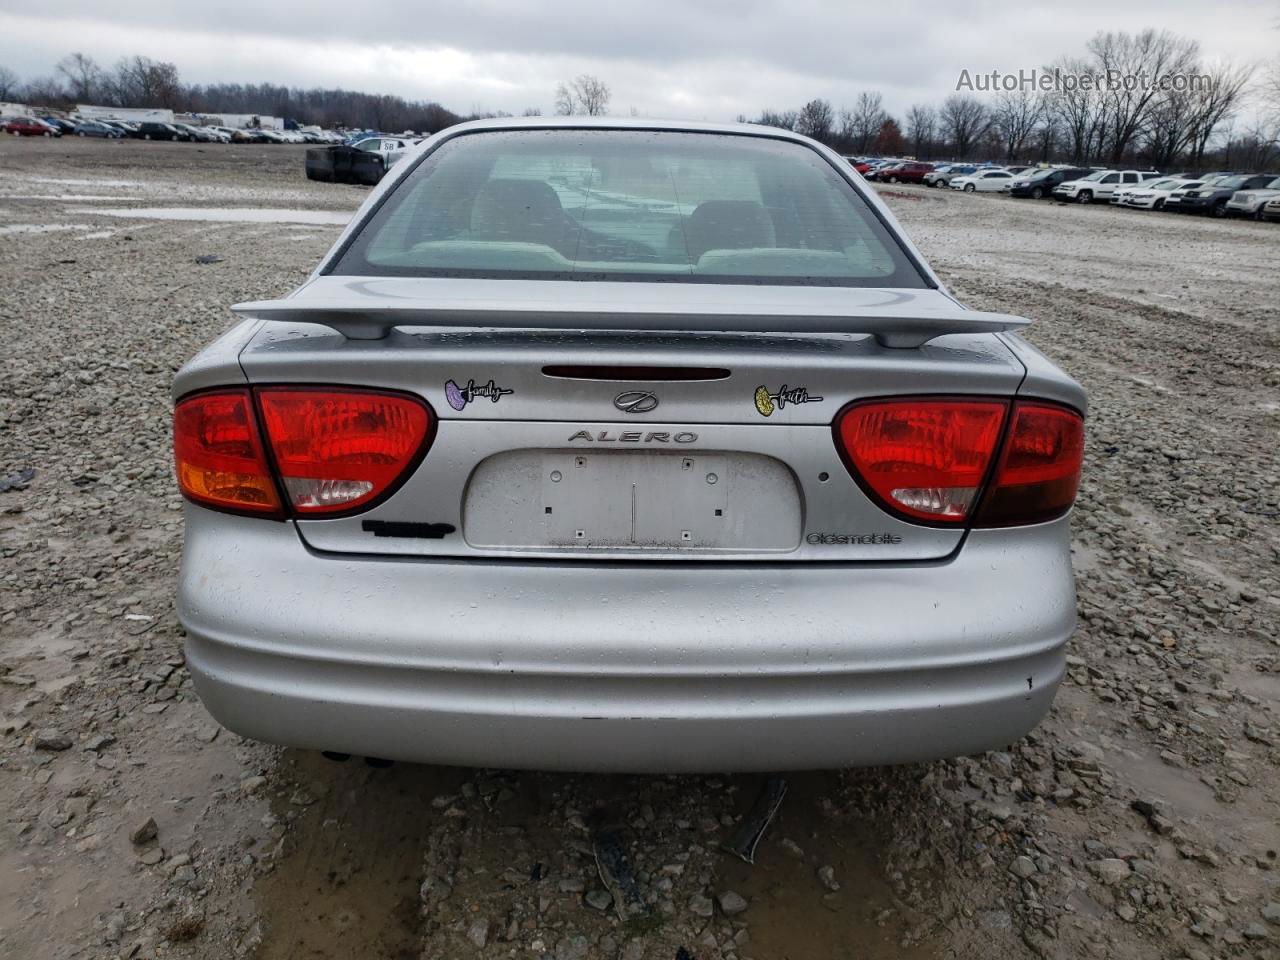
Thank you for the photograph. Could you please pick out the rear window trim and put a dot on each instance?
(894, 232)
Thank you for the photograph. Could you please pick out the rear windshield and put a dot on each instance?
(628, 205)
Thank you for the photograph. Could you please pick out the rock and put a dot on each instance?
(144, 832)
(478, 933)
(1110, 871)
(700, 905)
(633, 950)
(1126, 913)
(1022, 867)
(52, 740)
(599, 899)
(573, 948)
(152, 856)
(827, 877)
(97, 743)
(1255, 931)
(251, 785)
(791, 847)
(571, 885)
(184, 874)
(731, 903)
(1271, 912)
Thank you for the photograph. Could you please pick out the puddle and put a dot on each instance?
(349, 882)
(71, 182)
(791, 913)
(98, 235)
(114, 198)
(225, 214)
(348, 887)
(41, 227)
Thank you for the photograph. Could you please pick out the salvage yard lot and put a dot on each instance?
(1138, 821)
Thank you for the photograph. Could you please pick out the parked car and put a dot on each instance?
(366, 161)
(859, 164)
(1040, 183)
(96, 128)
(29, 127)
(1212, 198)
(150, 130)
(1019, 168)
(1100, 184)
(909, 171)
(942, 176)
(1249, 202)
(1173, 202)
(503, 550)
(983, 181)
(59, 124)
(1271, 209)
(1152, 195)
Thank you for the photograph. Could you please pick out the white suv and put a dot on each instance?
(1100, 184)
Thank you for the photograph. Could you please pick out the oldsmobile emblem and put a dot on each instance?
(636, 401)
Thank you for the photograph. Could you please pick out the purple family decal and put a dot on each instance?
(459, 397)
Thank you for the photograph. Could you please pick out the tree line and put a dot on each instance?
(139, 81)
(1194, 125)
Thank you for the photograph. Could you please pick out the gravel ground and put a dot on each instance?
(1139, 821)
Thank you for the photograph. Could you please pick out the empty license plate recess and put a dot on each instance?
(540, 499)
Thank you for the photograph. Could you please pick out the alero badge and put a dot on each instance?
(767, 402)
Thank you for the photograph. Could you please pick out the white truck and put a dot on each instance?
(1100, 184)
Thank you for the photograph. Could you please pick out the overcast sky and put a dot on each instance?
(713, 59)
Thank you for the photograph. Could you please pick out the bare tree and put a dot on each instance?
(532, 112)
(1150, 55)
(786, 119)
(1014, 116)
(142, 82)
(867, 117)
(585, 94)
(964, 120)
(816, 120)
(1047, 134)
(8, 83)
(83, 76)
(922, 120)
(1077, 108)
(1217, 102)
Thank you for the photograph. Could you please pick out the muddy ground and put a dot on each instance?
(1139, 821)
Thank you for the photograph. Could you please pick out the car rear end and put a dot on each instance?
(446, 511)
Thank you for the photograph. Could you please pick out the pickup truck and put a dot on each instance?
(1100, 184)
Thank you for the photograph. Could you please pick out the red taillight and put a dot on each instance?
(1039, 471)
(924, 458)
(218, 454)
(338, 450)
(331, 450)
(928, 459)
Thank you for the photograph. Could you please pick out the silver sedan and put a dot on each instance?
(615, 445)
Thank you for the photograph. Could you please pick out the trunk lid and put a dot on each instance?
(631, 445)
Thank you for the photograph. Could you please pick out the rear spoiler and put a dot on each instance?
(357, 319)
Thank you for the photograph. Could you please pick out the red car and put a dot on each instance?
(29, 127)
(908, 172)
(862, 166)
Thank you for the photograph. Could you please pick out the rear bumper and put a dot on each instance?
(626, 667)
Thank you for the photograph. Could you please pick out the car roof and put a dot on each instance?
(626, 123)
